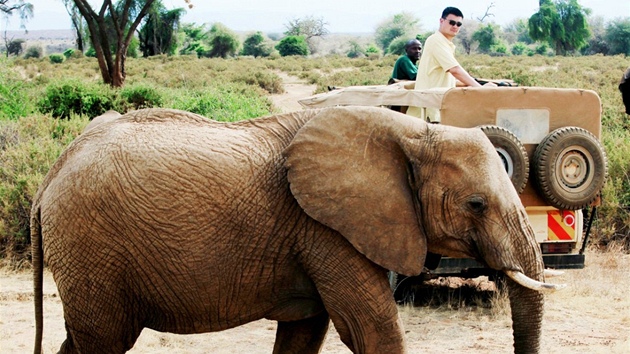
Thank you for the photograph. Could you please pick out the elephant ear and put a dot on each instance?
(348, 170)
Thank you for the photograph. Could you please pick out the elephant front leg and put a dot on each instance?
(303, 336)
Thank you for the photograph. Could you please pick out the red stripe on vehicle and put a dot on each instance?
(556, 228)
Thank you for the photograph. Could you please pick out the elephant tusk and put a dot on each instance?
(530, 283)
(553, 273)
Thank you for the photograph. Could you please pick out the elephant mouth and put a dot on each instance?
(530, 283)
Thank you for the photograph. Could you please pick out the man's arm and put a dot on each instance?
(464, 77)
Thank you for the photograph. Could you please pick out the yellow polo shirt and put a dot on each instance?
(438, 56)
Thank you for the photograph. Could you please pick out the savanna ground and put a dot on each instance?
(592, 315)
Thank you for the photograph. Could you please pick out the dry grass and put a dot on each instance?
(591, 316)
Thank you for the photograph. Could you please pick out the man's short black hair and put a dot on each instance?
(411, 42)
(452, 11)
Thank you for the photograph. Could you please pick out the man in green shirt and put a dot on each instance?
(405, 67)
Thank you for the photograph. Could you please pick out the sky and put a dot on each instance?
(342, 16)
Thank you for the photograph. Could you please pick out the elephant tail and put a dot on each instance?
(37, 252)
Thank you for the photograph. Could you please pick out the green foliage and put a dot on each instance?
(69, 53)
(14, 100)
(194, 38)
(486, 37)
(397, 46)
(140, 96)
(562, 23)
(256, 46)
(90, 53)
(132, 49)
(618, 36)
(158, 34)
(404, 24)
(74, 97)
(356, 50)
(292, 45)
(223, 42)
(227, 103)
(519, 48)
(542, 49)
(28, 148)
(15, 47)
(57, 58)
(35, 51)
(371, 49)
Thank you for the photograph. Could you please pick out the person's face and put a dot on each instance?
(450, 25)
(414, 50)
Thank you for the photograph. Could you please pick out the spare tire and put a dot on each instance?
(511, 152)
(569, 168)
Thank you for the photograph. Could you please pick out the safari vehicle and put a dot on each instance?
(548, 140)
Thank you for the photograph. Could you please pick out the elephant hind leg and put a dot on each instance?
(303, 336)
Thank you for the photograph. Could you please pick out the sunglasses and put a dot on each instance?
(455, 23)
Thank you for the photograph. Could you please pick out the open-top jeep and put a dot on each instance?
(548, 139)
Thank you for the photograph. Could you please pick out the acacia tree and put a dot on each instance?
(158, 34)
(123, 19)
(7, 8)
(404, 24)
(78, 23)
(24, 9)
(308, 27)
(561, 23)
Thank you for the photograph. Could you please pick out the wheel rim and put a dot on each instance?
(573, 169)
(508, 163)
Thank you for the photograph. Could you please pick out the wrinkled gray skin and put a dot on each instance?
(167, 220)
(103, 118)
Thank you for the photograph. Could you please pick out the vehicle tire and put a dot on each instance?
(512, 154)
(569, 168)
(393, 279)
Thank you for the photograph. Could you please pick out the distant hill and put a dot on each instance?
(57, 41)
(52, 41)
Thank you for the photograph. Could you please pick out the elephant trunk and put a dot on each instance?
(527, 313)
(526, 286)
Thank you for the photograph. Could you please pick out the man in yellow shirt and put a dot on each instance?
(438, 66)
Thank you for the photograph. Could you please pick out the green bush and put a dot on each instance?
(14, 101)
(35, 51)
(28, 148)
(69, 53)
(74, 97)
(57, 58)
(227, 103)
(292, 45)
(397, 46)
(140, 96)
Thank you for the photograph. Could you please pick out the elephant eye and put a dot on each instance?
(477, 204)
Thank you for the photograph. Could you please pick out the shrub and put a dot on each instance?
(518, 48)
(140, 96)
(14, 102)
(72, 96)
(397, 46)
(224, 43)
(256, 46)
(57, 58)
(35, 51)
(292, 45)
(229, 103)
(32, 144)
(69, 53)
(15, 47)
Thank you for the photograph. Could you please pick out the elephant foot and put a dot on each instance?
(303, 336)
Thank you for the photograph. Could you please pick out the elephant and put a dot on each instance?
(624, 88)
(168, 220)
(103, 118)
